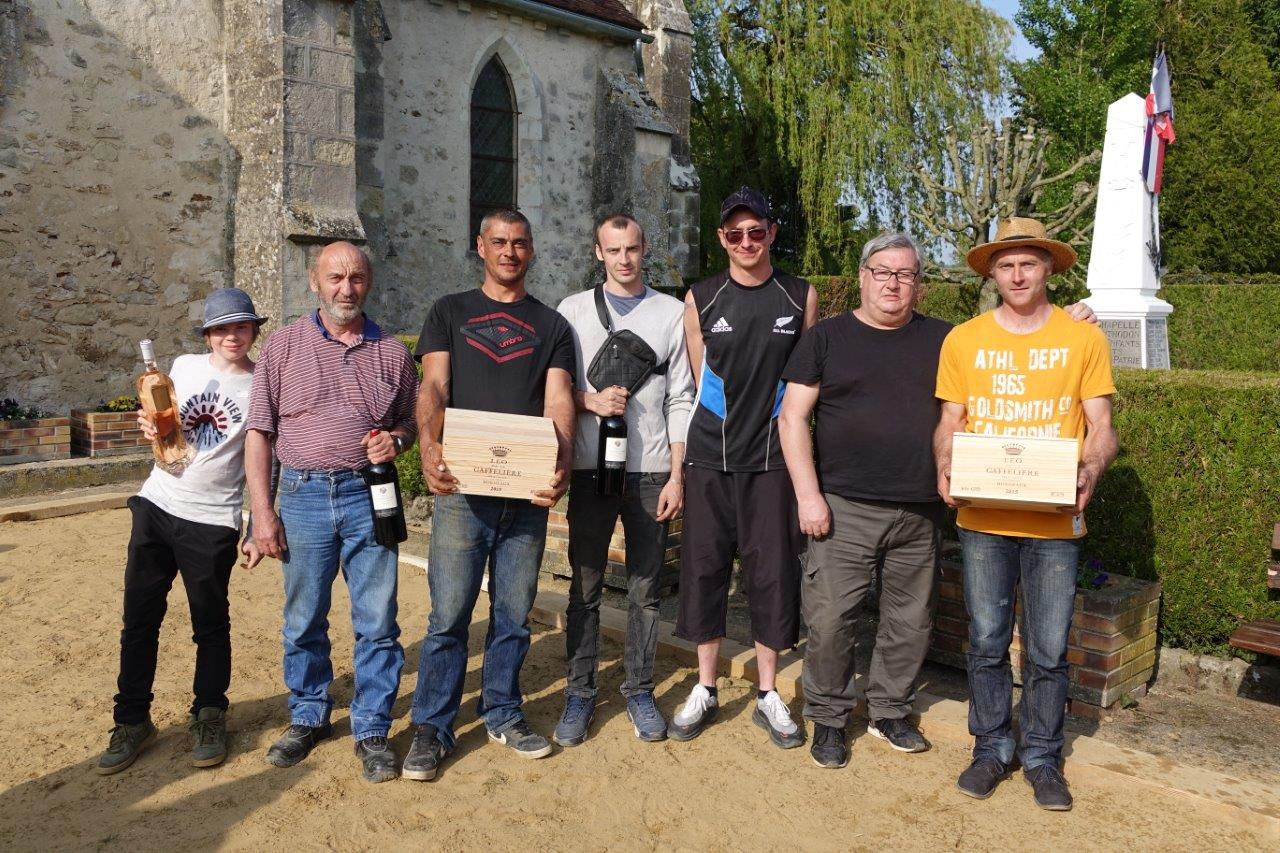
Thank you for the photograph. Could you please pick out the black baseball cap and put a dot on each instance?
(746, 197)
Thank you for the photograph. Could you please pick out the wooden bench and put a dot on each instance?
(1263, 635)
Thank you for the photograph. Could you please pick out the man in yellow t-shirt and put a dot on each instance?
(1024, 369)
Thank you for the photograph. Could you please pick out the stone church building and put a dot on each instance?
(152, 150)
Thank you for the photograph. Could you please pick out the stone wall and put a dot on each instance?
(152, 150)
(423, 82)
(113, 189)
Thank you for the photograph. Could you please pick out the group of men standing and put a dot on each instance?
(722, 433)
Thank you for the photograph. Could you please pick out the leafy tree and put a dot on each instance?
(830, 106)
(1091, 53)
(1220, 209)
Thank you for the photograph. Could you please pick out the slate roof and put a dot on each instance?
(604, 10)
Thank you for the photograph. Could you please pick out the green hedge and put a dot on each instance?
(1224, 326)
(1193, 497)
(409, 465)
(1218, 322)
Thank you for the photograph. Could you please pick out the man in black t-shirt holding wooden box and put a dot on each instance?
(494, 348)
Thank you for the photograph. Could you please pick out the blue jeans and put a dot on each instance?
(993, 568)
(328, 522)
(470, 533)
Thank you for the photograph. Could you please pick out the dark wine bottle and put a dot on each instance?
(611, 456)
(388, 511)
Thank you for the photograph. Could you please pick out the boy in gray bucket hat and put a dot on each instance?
(189, 524)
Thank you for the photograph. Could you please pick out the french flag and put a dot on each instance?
(1159, 123)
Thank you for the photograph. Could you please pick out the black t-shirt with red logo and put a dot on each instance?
(499, 352)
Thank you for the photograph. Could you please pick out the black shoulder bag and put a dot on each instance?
(624, 359)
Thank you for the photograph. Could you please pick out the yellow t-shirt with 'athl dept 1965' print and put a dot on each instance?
(1024, 385)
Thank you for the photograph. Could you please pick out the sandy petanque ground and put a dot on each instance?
(730, 789)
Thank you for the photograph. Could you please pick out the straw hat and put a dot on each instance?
(1017, 232)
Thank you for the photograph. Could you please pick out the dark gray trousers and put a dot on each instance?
(902, 540)
(591, 522)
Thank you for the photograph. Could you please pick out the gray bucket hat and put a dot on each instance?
(229, 305)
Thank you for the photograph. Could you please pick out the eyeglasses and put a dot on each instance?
(734, 235)
(901, 276)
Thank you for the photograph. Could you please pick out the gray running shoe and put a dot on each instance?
(694, 715)
(127, 742)
(522, 740)
(773, 715)
(209, 729)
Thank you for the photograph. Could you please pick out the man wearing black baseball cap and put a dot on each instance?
(741, 326)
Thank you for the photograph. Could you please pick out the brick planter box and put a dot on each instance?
(105, 433)
(1111, 650)
(556, 558)
(34, 440)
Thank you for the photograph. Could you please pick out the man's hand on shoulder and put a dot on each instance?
(1082, 313)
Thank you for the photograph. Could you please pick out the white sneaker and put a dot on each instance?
(694, 715)
(773, 715)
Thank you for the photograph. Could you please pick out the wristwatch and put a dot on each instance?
(399, 442)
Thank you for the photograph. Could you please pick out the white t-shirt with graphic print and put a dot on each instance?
(213, 408)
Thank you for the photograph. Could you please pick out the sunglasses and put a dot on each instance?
(734, 235)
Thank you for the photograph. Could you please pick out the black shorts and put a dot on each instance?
(753, 516)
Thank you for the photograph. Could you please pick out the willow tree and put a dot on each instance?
(992, 174)
(857, 94)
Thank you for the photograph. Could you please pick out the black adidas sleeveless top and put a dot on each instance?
(748, 334)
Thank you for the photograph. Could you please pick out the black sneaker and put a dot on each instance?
(979, 780)
(127, 742)
(296, 744)
(1050, 788)
(523, 740)
(900, 734)
(424, 756)
(829, 749)
(377, 761)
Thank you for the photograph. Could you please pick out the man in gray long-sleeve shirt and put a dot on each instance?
(657, 415)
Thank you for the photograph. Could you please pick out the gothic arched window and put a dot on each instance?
(493, 144)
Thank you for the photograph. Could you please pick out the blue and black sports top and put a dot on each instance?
(748, 332)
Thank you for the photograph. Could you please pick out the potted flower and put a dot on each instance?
(29, 434)
(108, 430)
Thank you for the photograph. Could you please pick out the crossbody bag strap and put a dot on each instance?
(602, 309)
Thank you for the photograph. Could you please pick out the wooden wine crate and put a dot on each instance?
(506, 456)
(1014, 472)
